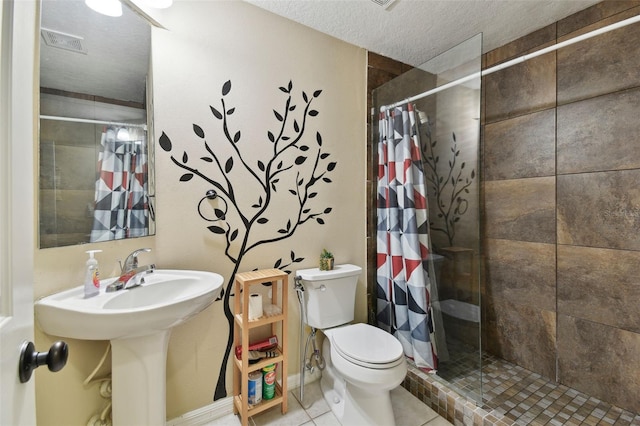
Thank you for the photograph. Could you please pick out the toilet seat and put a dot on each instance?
(367, 346)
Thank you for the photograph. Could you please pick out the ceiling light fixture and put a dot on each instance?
(105, 7)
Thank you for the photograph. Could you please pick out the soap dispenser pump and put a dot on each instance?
(92, 276)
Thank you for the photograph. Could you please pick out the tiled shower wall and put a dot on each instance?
(562, 206)
(561, 156)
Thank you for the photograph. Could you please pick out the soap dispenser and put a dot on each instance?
(92, 276)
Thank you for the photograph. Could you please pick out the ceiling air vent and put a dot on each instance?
(63, 41)
(383, 3)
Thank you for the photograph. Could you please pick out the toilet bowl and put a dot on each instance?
(363, 363)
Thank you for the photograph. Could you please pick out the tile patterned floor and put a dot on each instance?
(512, 395)
(408, 410)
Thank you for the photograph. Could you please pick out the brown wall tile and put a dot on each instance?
(522, 273)
(600, 285)
(521, 46)
(594, 135)
(521, 147)
(521, 89)
(521, 209)
(523, 335)
(600, 65)
(599, 360)
(593, 14)
(600, 209)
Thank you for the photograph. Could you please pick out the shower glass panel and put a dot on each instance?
(449, 131)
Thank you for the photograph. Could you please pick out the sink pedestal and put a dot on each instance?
(138, 372)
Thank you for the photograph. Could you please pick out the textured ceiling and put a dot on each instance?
(414, 31)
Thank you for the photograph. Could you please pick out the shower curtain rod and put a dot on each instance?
(86, 120)
(515, 61)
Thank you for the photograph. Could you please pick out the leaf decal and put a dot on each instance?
(317, 93)
(284, 90)
(231, 111)
(278, 263)
(263, 220)
(165, 142)
(185, 157)
(331, 166)
(207, 159)
(319, 138)
(233, 235)
(186, 177)
(320, 220)
(198, 131)
(226, 88)
(216, 113)
(215, 229)
(279, 117)
(313, 113)
(304, 148)
(261, 166)
(327, 210)
(290, 86)
(228, 165)
(236, 137)
(301, 159)
(324, 155)
(304, 96)
(271, 137)
(219, 213)
(296, 127)
(313, 195)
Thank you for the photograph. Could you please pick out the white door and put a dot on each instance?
(18, 28)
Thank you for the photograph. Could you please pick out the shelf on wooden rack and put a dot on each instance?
(263, 363)
(263, 405)
(260, 321)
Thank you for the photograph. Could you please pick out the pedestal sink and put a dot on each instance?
(138, 323)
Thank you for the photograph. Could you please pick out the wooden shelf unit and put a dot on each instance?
(242, 328)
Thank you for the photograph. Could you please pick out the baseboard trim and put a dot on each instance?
(224, 407)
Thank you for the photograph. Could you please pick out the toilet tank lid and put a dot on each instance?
(338, 271)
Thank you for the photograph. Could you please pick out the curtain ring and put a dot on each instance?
(220, 214)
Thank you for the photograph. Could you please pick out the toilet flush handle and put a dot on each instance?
(322, 287)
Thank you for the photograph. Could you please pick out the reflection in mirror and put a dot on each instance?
(96, 167)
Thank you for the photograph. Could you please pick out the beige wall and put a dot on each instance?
(207, 44)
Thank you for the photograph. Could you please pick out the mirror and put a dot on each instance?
(96, 165)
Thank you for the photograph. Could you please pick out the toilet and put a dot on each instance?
(363, 363)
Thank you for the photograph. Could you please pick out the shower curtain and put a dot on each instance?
(121, 201)
(403, 279)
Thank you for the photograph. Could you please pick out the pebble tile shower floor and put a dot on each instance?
(512, 396)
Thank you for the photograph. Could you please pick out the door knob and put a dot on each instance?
(55, 358)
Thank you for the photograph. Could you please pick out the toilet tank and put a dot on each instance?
(329, 296)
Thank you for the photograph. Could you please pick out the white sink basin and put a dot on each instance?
(168, 298)
(138, 323)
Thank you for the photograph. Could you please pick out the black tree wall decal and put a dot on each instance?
(293, 170)
(450, 189)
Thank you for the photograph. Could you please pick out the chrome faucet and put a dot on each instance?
(131, 275)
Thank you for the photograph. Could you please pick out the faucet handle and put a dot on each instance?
(132, 260)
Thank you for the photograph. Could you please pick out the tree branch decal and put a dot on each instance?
(304, 165)
(450, 190)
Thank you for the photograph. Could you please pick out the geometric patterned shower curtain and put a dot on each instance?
(403, 281)
(121, 197)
